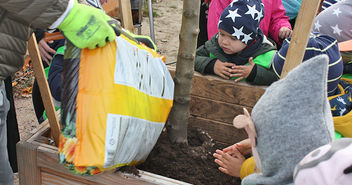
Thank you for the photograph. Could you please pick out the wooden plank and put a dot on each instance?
(219, 131)
(300, 36)
(48, 161)
(44, 88)
(49, 179)
(219, 89)
(27, 163)
(126, 15)
(215, 110)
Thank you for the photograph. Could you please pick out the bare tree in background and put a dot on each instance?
(178, 118)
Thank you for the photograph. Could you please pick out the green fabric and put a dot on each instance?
(338, 135)
(87, 27)
(348, 75)
(265, 59)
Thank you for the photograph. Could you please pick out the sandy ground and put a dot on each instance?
(167, 24)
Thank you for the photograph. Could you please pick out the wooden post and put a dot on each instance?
(300, 35)
(126, 15)
(44, 88)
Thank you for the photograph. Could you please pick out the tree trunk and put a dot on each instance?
(178, 118)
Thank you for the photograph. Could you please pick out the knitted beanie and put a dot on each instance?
(317, 44)
(241, 19)
(291, 119)
(329, 164)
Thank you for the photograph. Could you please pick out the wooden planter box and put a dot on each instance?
(214, 103)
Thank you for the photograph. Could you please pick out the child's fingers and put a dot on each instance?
(239, 79)
(237, 154)
(219, 162)
(224, 170)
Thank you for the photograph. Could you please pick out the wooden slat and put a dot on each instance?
(126, 15)
(44, 88)
(219, 89)
(27, 163)
(300, 36)
(50, 179)
(215, 110)
(48, 161)
(219, 131)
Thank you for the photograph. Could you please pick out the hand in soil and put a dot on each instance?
(244, 147)
(229, 164)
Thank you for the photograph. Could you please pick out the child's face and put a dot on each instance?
(230, 44)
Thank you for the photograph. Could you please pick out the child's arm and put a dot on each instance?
(278, 20)
(202, 60)
(230, 165)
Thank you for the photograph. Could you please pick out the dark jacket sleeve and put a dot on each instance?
(202, 60)
(37, 13)
(55, 76)
(262, 76)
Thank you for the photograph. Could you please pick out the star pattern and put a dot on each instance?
(260, 15)
(337, 12)
(220, 21)
(336, 30)
(251, 11)
(238, 33)
(246, 38)
(234, 1)
(317, 26)
(233, 15)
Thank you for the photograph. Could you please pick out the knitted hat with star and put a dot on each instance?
(241, 19)
(317, 44)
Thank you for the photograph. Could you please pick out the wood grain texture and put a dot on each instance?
(44, 88)
(215, 110)
(219, 131)
(27, 163)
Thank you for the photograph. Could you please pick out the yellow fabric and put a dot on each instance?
(97, 98)
(343, 124)
(248, 167)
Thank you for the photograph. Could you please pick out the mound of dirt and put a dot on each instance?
(193, 163)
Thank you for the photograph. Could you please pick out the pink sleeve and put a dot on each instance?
(278, 20)
(215, 9)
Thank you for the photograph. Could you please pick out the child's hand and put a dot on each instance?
(243, 146)
(223, 69)
(285, 32)
(45, 50)
(230, 165)
(242, 71)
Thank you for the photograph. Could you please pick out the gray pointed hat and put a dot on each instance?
(292, 118)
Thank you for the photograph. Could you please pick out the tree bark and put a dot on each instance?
(179, 115)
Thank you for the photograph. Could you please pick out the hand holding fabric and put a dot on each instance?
(87, 27)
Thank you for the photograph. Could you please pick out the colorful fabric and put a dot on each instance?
(274, 18)
(241, 19)
(341, 105)
(327, 165)
(317, 44)
(123, 97)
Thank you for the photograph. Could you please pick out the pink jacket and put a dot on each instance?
(274, 18)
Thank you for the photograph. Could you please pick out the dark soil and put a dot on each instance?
(193, 163)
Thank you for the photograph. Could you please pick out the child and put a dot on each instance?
(274, 25)
(291, 119)
(239, 39)
(317, 44)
